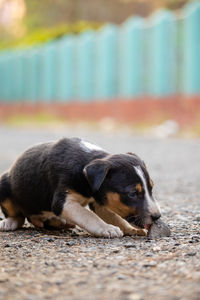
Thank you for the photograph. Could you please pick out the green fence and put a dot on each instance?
(158, 56)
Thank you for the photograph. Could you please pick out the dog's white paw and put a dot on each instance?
(135, 231)
(9, 224)
(109, 231)
(141, 232)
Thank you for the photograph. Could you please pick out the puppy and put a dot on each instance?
(52, 183)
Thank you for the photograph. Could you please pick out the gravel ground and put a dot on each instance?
(39, 264)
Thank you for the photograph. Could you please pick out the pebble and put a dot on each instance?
(191, 254)
(81, 283)
(7, 245)
(70, 243)
(58, 282)
(158, 229)
(115, 251)
(48, 239)
(149, 254)
(197, 218)
(156, 249)
(121, 277)
(150, 264)
(130, 246)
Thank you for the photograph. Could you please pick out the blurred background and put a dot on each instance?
(117, 62)
(18, 18)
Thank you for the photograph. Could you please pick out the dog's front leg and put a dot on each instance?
(88, 220)
(114, 219)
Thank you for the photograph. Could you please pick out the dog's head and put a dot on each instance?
(122, 184)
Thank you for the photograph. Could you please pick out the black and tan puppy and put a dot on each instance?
(53, 182)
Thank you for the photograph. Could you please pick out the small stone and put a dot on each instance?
(81, 283)
(121, 277)
(149, 254)
(130, 246)
(150, 264)
(3, 279)
(197, 218)
(19, 284)
(31, 297)
(95, 265)
(156, 249)
(191, 254)
(48, 239)
(70, 243)
(158, 229)
(115, 251)
(58, 282)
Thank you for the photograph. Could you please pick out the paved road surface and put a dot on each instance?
(45, 265)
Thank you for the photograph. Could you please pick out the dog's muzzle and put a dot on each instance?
(143, 222)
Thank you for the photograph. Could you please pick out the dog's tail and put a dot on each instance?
(5, 187)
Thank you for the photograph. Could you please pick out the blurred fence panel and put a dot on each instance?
(191, 49)
(65, 69)
(85, 66)
(47, 72)
(18, 76)
(106, 63)
(33, 79)
(7, 76)
(157, 56)
(131, 58)
(162, 51)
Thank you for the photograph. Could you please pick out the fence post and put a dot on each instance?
(26, 75)
(131, 58)
(7, 71)
(2, 77)
(65, 69)
(106, 62)
(47, 72)
(85, 66)
(18, 80)
(32, 61)
(162, 56)
(191, 49)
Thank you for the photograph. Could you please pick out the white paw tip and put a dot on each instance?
(112, 232)
(8, 224)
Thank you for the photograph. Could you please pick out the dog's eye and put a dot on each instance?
(132, 194)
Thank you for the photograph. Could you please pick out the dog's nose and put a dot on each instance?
(155, 216)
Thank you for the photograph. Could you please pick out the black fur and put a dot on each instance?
(41, 177)
(5, 187)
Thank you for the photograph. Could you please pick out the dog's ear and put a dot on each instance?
(133, 154)
(137, 157)
(95, 173)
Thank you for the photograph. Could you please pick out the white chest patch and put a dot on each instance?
(88, 147)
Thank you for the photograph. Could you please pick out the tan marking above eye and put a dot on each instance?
(151, 183)
(138, 187)
(114, 204)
